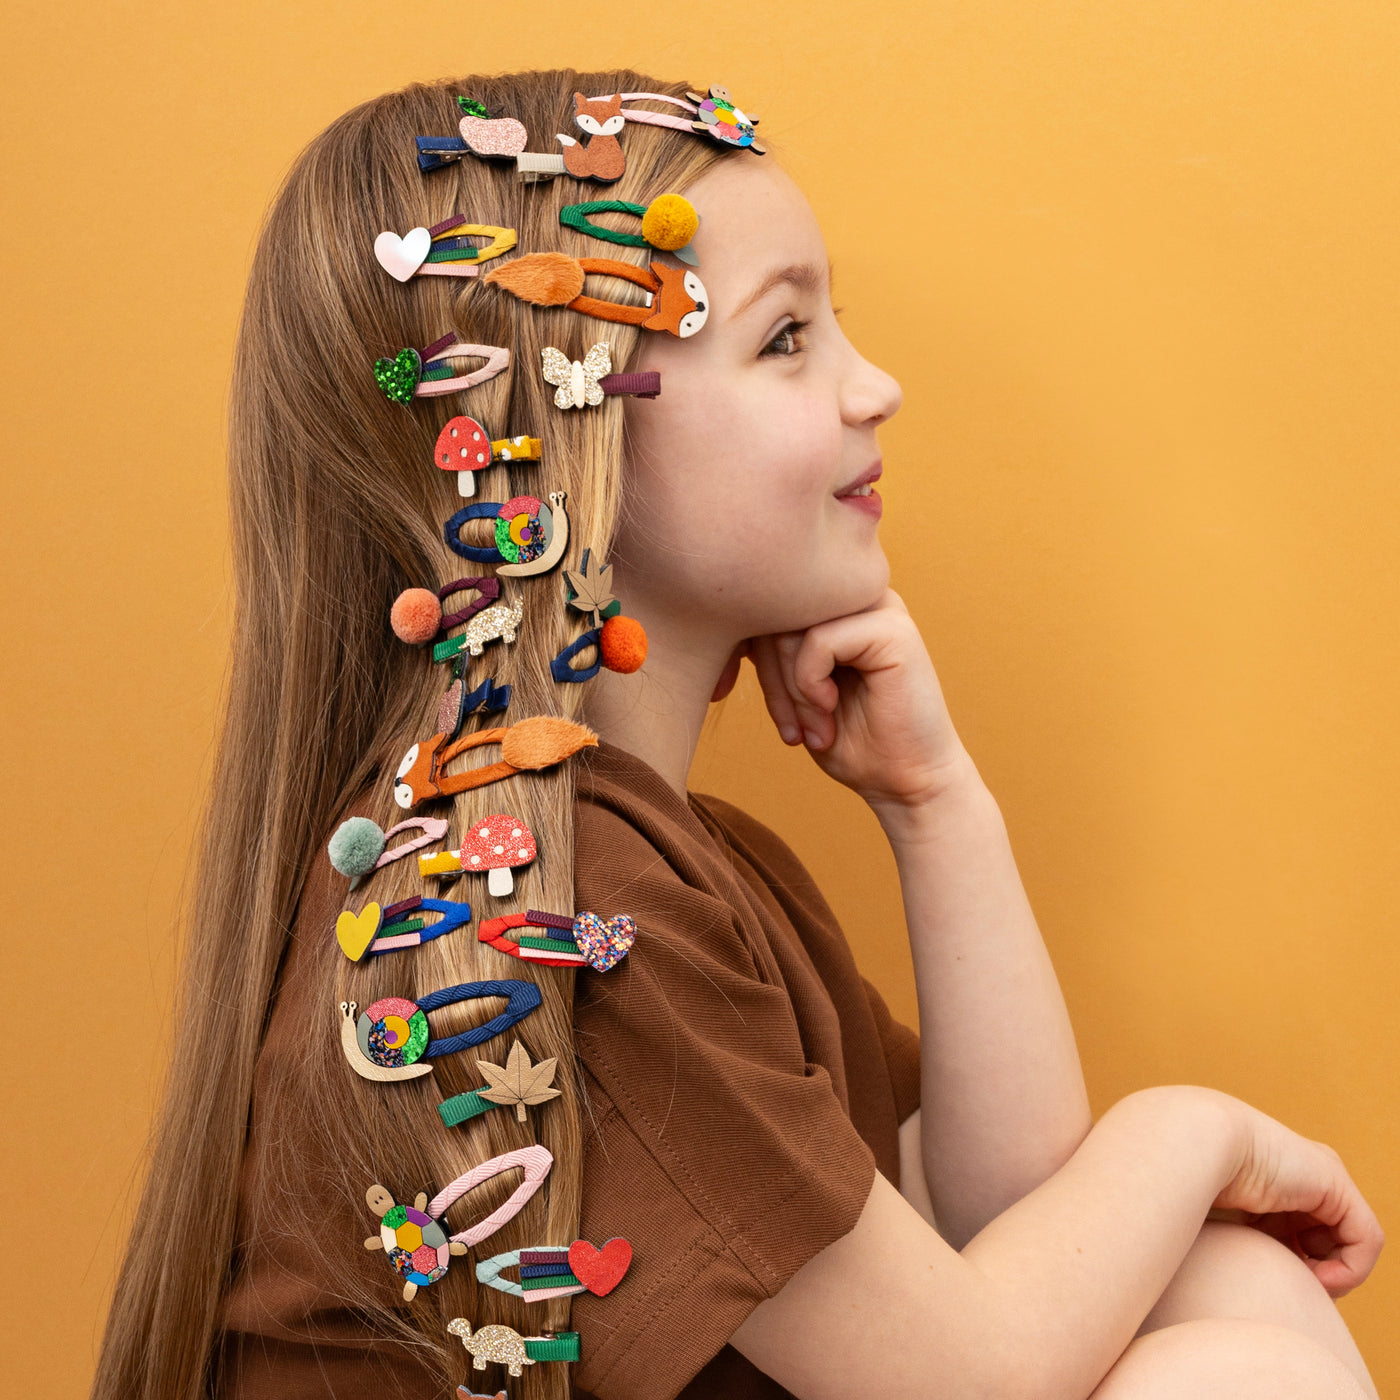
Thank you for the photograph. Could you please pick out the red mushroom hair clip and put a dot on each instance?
(493, 847)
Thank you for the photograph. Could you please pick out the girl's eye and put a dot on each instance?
(788, 341)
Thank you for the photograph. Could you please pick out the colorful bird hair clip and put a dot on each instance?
(676, 299)
(444, 250)
(669, 223)
(585, 383)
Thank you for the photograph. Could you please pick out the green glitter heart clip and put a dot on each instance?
(427, 373)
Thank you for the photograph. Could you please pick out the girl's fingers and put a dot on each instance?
(763, 652)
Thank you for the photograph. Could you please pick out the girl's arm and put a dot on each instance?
(1040, 1304)
(1004, 1103)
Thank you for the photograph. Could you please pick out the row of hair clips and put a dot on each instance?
(599, 156)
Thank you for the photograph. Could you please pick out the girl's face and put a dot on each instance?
(748, 506)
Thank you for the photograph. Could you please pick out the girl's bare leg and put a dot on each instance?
(1228, 1359)
(1233, 1271)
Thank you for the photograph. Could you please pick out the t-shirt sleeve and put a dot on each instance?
(712, 1144)
(901, 1046)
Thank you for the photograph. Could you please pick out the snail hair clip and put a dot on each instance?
(518, 1085)
(553, 1271)
(531, 537)
(444, 250)
(360, 845)
(555, 940)
(426, 373)
(413, 1238)
(668, 223)
(374, 931)
(465, 447)
(585, 383)
(676, 298)
(493, 847)
(507, 1347)
(538, 742)
(390, 1039)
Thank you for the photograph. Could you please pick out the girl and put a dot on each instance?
(723, 1126)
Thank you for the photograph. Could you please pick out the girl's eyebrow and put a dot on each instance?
(805, 277)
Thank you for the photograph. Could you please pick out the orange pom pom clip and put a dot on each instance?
(416, 616)
(623, 644)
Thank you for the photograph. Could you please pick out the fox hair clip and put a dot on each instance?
(676, 298)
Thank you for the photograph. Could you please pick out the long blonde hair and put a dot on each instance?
(336, 507)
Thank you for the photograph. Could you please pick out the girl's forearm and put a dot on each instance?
(1004, 1103)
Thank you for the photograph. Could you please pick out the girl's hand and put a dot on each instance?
(1299, 1191)
(861, 693)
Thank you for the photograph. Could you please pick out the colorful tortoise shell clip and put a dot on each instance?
(412, 1237)
(426, 373)
(444, 250)
(676, 298)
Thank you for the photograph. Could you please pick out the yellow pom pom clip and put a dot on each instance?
(670, 222)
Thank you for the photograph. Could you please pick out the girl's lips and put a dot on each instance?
(870, 504)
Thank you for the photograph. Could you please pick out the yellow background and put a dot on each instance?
(1136, 268)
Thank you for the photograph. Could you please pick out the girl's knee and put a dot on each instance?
(1236, 1271)
(1222, 1358)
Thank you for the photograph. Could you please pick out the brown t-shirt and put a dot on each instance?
(744, 1083)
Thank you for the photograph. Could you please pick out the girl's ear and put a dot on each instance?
(729, 677)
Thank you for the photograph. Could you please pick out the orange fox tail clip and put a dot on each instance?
(676, 298)
(538, 742)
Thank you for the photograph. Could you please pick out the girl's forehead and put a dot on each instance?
(753, 217)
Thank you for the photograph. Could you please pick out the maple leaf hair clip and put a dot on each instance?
(620, 642)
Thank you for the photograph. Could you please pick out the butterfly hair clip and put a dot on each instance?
(585, 383)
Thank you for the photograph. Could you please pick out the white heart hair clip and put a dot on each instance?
(444, 250)
(585, 383)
